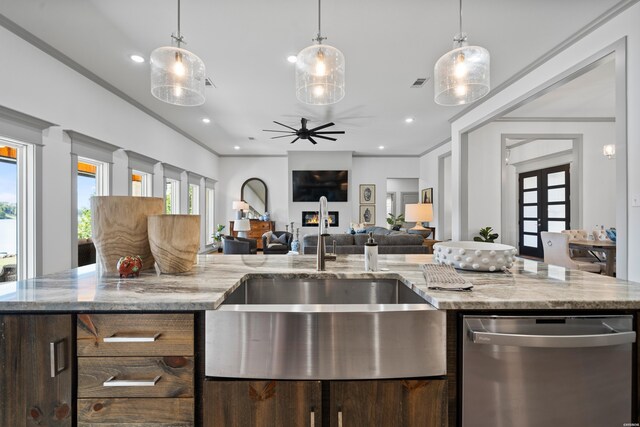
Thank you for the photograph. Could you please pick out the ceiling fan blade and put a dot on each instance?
(326, 132)
(326, 125)
(282, 136)
(282, 124)
(312, 141)
(281, 131)
(325, 137)
(295, 140)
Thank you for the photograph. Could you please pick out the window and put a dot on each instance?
(210, 217)
(194, 199)
(172, 196)
(92, 181)
(141, 184)
(8, 209)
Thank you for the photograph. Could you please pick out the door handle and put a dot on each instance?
(312, 418)
(552, 341)
(340, 418)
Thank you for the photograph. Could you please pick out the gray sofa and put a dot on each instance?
(389, 242)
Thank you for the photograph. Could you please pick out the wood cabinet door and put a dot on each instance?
(389, 403)
(262, 403)
(36, 370)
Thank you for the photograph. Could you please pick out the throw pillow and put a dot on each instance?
(268, 236)
(283, 239)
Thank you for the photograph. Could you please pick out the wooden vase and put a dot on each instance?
(174, 241)
(119, 228)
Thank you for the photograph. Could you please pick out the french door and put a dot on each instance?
(543, 202)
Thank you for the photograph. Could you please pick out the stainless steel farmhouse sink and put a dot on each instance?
(333, 328)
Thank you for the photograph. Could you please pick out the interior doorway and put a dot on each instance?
(543, 205)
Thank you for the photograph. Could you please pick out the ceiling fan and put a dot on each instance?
(304, 133)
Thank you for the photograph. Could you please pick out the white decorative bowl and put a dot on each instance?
(476, 256)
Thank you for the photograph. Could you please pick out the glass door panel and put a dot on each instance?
(543, 206)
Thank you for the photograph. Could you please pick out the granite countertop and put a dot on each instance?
(529, 285)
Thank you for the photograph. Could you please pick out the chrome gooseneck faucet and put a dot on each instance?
(323, 232)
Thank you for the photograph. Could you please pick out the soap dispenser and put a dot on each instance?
(371, 254)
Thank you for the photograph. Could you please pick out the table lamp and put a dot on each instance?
(239, 206)
(418, 213)
(242, 226)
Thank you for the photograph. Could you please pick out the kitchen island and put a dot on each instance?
(91, 301)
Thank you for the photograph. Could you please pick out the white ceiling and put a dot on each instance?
(244, 44)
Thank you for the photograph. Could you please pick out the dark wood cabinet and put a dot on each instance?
(389, 403)
(262, 403)
(392, 403)
(36, 370)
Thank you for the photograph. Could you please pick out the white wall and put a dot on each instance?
(399, 186)
(430, 177)
(38, 85)
(376, 170)
(622, 27)
(486, 189)
(234, 171)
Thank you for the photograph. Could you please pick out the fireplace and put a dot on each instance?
(310, 218)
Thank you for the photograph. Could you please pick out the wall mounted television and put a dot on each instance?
(309, 186)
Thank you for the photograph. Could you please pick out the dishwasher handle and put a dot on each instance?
(552, 341)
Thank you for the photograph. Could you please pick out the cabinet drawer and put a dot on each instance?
(135, 334)
(136, 376)
(135, 412)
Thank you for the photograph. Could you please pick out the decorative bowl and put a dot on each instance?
(475, 256)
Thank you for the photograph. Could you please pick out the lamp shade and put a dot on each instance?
(418, 213)
(462, 76)
(240, 205)
(177, 76)
(242, 225)
(320, 75)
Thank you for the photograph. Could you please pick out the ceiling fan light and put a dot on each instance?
(462, 76)
(177, 76)
(320, 75)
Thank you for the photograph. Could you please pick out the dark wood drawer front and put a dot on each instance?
(135, 412)
(135, 334)
(175, 376)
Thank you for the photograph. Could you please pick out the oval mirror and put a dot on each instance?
(254, 192)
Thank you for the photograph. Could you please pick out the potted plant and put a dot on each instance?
(395, 222)
(217, 237)
(486, 235)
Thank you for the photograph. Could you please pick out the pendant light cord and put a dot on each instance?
(319, 38)
(460, 16)
(179, 18)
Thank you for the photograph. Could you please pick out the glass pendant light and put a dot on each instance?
(320, 72)
(177, 75)
(461, 76)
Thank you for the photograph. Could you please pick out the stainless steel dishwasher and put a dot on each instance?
(546, 371)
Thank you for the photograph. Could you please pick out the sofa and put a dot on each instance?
(389, 242)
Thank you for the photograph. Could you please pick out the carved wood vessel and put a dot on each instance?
(174, 241)
(119, 228)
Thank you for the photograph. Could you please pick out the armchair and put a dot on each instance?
(238, 245)
(276, 242)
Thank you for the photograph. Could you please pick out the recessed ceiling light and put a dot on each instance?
(409, 120)
(206, 120)
(137, 58)
(292, 58)
(381, 147)
(236, 147)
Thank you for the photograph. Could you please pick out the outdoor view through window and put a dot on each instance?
(8, 212)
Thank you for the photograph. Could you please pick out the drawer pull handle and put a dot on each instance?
(124, 338)
(113, 382)
(58, 364)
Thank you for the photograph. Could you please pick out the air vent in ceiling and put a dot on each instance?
(209, 82)
(420, 82)
(251, 138)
